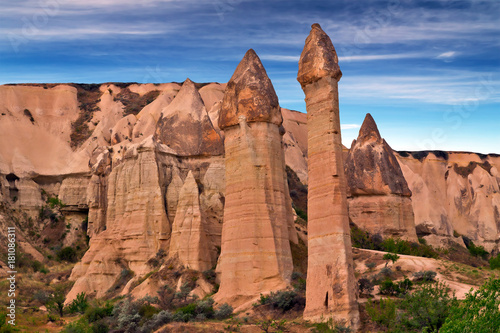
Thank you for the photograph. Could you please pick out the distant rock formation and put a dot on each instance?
(255, 251)
(331, 286)
(454, 194)
(379, 197)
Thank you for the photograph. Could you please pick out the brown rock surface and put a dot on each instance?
(185, 126)
(331, 285)
(255, 251)
(189, 242)
(454, 193)
(135, 219)
(379, 197)
(251, 94)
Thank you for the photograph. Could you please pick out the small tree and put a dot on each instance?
(390, 257)
(57, 302)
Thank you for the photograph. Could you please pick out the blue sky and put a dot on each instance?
(428, 71)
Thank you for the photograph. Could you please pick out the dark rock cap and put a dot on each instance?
(318, 58)
(249, 93)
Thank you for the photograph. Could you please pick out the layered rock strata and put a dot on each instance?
(255, 251)
(331, 286)
(379, 197)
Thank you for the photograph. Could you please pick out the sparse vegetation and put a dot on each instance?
(283, 300)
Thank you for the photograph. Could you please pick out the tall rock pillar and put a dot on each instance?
(331, 286)
(255, 253)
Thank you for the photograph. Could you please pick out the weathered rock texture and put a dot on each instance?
(454, 194)
(189, 242)
(379, 197)
(255, 255)
(331, 286)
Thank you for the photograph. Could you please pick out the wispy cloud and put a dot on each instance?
(278, 57)
(349, 126)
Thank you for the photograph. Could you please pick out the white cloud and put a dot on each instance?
(278, 57)
(349, 126)
(371, 57)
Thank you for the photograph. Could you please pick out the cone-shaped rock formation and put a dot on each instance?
(331, 286)
(185, 125)
(189, 241)
(379, 199)
(255, 256)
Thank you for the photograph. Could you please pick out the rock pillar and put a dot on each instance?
(331, 286)
(255, 253)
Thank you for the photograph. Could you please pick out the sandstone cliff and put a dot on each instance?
(454, 194)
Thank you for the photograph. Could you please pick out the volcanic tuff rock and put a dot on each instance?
(258, 223)
(185, 126)
(454, 194)
(189, 241)
(331, 285)
(379, 197)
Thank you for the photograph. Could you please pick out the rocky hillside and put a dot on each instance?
(141, 168)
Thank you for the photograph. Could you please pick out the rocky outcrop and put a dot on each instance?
(379, 197)
(136, 224)
(189, 242)
(454, 194)
(185, 126)
(331, 285)
(255, 251)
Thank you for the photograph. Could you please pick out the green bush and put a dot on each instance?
(365, 286)
(79, 304)
(283, 299)
(223, 312)
(67, 254)
(424, 276)
(383, 312)
(427, 308)
(389, 288)
(97, 312)
(495, 262)
(479, 312)
(390, 257)
(477, 251)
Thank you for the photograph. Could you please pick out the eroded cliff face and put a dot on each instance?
(454, 194)
(378, 194)
(100, 150)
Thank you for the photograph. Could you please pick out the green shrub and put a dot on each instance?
(383, 312)
(223, 312)
(479, 312)
(389, 288)
(67, 254)
(283, 299)
(97, 312)
(301, 213)
(79, 304)
(495, 262)
(426, 309)
(424, 276)
(390, 257)
(370, 265)
(477, 251)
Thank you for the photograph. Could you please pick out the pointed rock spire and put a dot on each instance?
(318, 59)
(371, 167)
(185, 125)
(369, 130)
(189, 241)
(250, 94)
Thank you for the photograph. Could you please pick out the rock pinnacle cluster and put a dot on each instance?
(331, 286)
